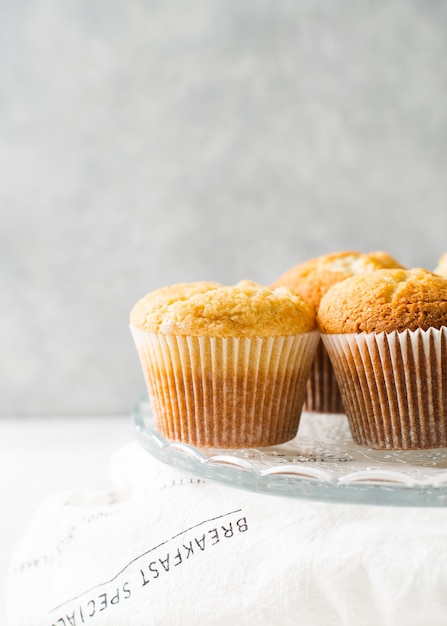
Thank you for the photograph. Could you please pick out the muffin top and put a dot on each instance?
(385, 301)
(314, 277)
(210, 309)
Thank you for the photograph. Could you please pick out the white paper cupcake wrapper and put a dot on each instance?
(394, 386)
(226, 392)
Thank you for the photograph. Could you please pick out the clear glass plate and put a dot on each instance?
(321, 463)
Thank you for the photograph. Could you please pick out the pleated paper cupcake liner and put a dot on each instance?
(226, 392)
(322, 392)
(394, 387)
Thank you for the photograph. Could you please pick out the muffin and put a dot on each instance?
(311, 280)
(225, 366)
(386, 336)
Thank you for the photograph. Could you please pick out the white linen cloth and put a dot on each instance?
(165, 548)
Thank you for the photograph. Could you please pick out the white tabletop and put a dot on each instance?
(40, 456)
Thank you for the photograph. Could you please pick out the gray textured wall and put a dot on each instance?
(146, 142)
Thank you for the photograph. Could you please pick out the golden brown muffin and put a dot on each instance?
(386, 336)
(385, 301)
(243, 310)
(225, 366)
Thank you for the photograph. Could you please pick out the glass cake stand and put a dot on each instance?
(321, 463)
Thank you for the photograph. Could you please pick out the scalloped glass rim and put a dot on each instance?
(322, 463)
